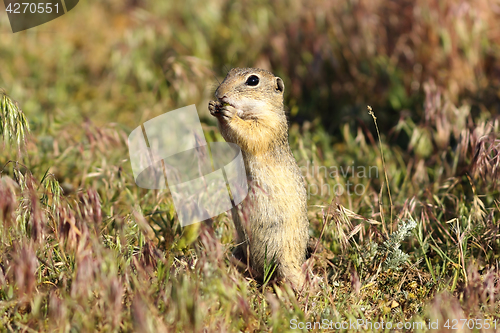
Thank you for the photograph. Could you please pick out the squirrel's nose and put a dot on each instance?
(223, 98)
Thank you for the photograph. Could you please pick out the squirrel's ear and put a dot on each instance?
(280, 86)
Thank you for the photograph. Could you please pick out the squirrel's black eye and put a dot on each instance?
(252, 80)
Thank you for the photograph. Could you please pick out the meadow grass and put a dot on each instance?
(83, 248)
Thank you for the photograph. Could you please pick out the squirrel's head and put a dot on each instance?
(251, 91)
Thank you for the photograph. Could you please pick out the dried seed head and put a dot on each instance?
(24, 266)
(8, 202)
(90, 208)
(70, 230)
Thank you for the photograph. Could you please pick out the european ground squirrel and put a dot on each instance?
(272, 221)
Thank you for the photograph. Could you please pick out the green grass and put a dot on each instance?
(82, 248)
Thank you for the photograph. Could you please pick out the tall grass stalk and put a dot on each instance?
(371, 113)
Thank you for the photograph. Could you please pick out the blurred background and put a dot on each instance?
(127, 61)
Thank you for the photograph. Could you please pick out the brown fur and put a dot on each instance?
(274, 215)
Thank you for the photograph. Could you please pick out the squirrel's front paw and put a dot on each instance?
(217, 109)
(214, 107)
(228, 112)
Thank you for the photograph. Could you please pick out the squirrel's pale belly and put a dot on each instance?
(270, 220)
